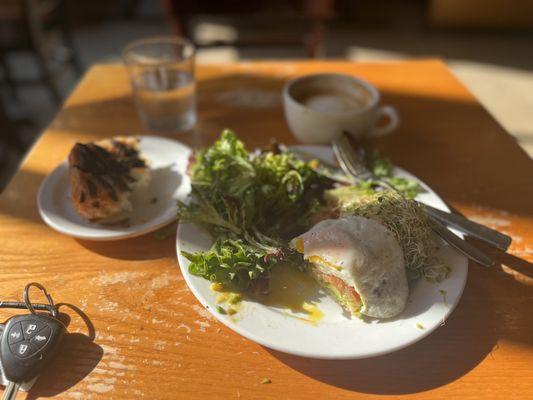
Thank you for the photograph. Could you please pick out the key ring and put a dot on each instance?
(53, 309)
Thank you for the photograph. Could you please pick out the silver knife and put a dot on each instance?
(459, 244)
(469, 227)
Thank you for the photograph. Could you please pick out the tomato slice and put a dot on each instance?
(342, 286)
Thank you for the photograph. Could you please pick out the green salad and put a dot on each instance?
(253, 203)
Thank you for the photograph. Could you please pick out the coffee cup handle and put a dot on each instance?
(393, 121)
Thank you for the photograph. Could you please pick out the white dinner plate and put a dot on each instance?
(153, 207)
(336, 336)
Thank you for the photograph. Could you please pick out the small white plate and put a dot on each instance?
(336, 336)
(168, 163)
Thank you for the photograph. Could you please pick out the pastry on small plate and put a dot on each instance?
(88, 195)
(103, 175)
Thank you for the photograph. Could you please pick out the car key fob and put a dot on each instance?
(28, 344)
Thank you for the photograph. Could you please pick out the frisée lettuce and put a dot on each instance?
(245, 200)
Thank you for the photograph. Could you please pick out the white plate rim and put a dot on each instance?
(273, 345)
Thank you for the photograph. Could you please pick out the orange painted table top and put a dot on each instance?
(149, 336)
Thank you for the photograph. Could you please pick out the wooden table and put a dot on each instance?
(153, 339)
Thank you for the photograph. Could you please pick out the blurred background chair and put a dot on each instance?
(316, 14)
(40, 28)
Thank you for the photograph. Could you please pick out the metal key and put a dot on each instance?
(29, 342)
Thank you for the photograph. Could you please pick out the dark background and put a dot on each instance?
(46, 45)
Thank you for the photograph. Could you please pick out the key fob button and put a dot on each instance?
(41, 338)
(15, 334)
(31, 327)
(22, 349)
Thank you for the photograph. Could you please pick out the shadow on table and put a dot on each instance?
(520, 269)
(446, 355)
(79, 355)
(511, 282)
(152, 246)
(461, 152)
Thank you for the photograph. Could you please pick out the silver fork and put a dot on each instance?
(352, 166)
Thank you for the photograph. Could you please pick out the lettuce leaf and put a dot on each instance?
(251, 203)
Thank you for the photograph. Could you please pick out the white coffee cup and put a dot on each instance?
(319, 107)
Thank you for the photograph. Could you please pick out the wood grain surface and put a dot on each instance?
(149, 337)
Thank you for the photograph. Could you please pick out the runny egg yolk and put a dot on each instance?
(299, 245)
(320, 260)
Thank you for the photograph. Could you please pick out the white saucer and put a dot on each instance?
(153, 207)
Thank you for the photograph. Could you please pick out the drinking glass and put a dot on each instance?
(161, 71)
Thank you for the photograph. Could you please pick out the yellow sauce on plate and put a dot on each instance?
(293, 292)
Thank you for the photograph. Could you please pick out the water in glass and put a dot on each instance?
(166, 100)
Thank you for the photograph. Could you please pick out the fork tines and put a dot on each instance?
(348, 160)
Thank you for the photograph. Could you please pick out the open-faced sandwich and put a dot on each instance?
(363, 244)
(103, 175)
